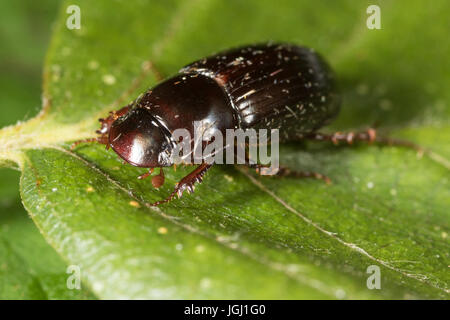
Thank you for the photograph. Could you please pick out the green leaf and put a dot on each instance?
(240, 235)
(29, 267)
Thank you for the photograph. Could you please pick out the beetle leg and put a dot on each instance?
(158, 181)
(147, 174)
(286, 172)
(369, 136)
(187, 183)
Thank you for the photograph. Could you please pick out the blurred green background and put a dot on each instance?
(25, 30)
(29, 267)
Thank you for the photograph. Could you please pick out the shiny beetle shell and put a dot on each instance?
(271, 86)
(274, 86)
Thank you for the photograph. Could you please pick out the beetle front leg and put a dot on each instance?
(147, 174)
(157, 181)
(283, 171)
(187, 183)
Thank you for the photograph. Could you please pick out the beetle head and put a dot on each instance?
(141, 140)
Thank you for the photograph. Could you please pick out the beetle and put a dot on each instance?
(270, 85)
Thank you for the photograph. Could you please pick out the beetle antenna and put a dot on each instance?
(168, 199)
(101, 140)
(76, 143)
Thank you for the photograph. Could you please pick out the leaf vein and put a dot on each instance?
(352, 246)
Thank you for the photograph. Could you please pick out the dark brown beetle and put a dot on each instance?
(273, 86)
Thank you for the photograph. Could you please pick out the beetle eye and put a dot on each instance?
(139, 139)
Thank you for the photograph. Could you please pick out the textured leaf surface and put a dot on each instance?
(29, 267)
(240, 235)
